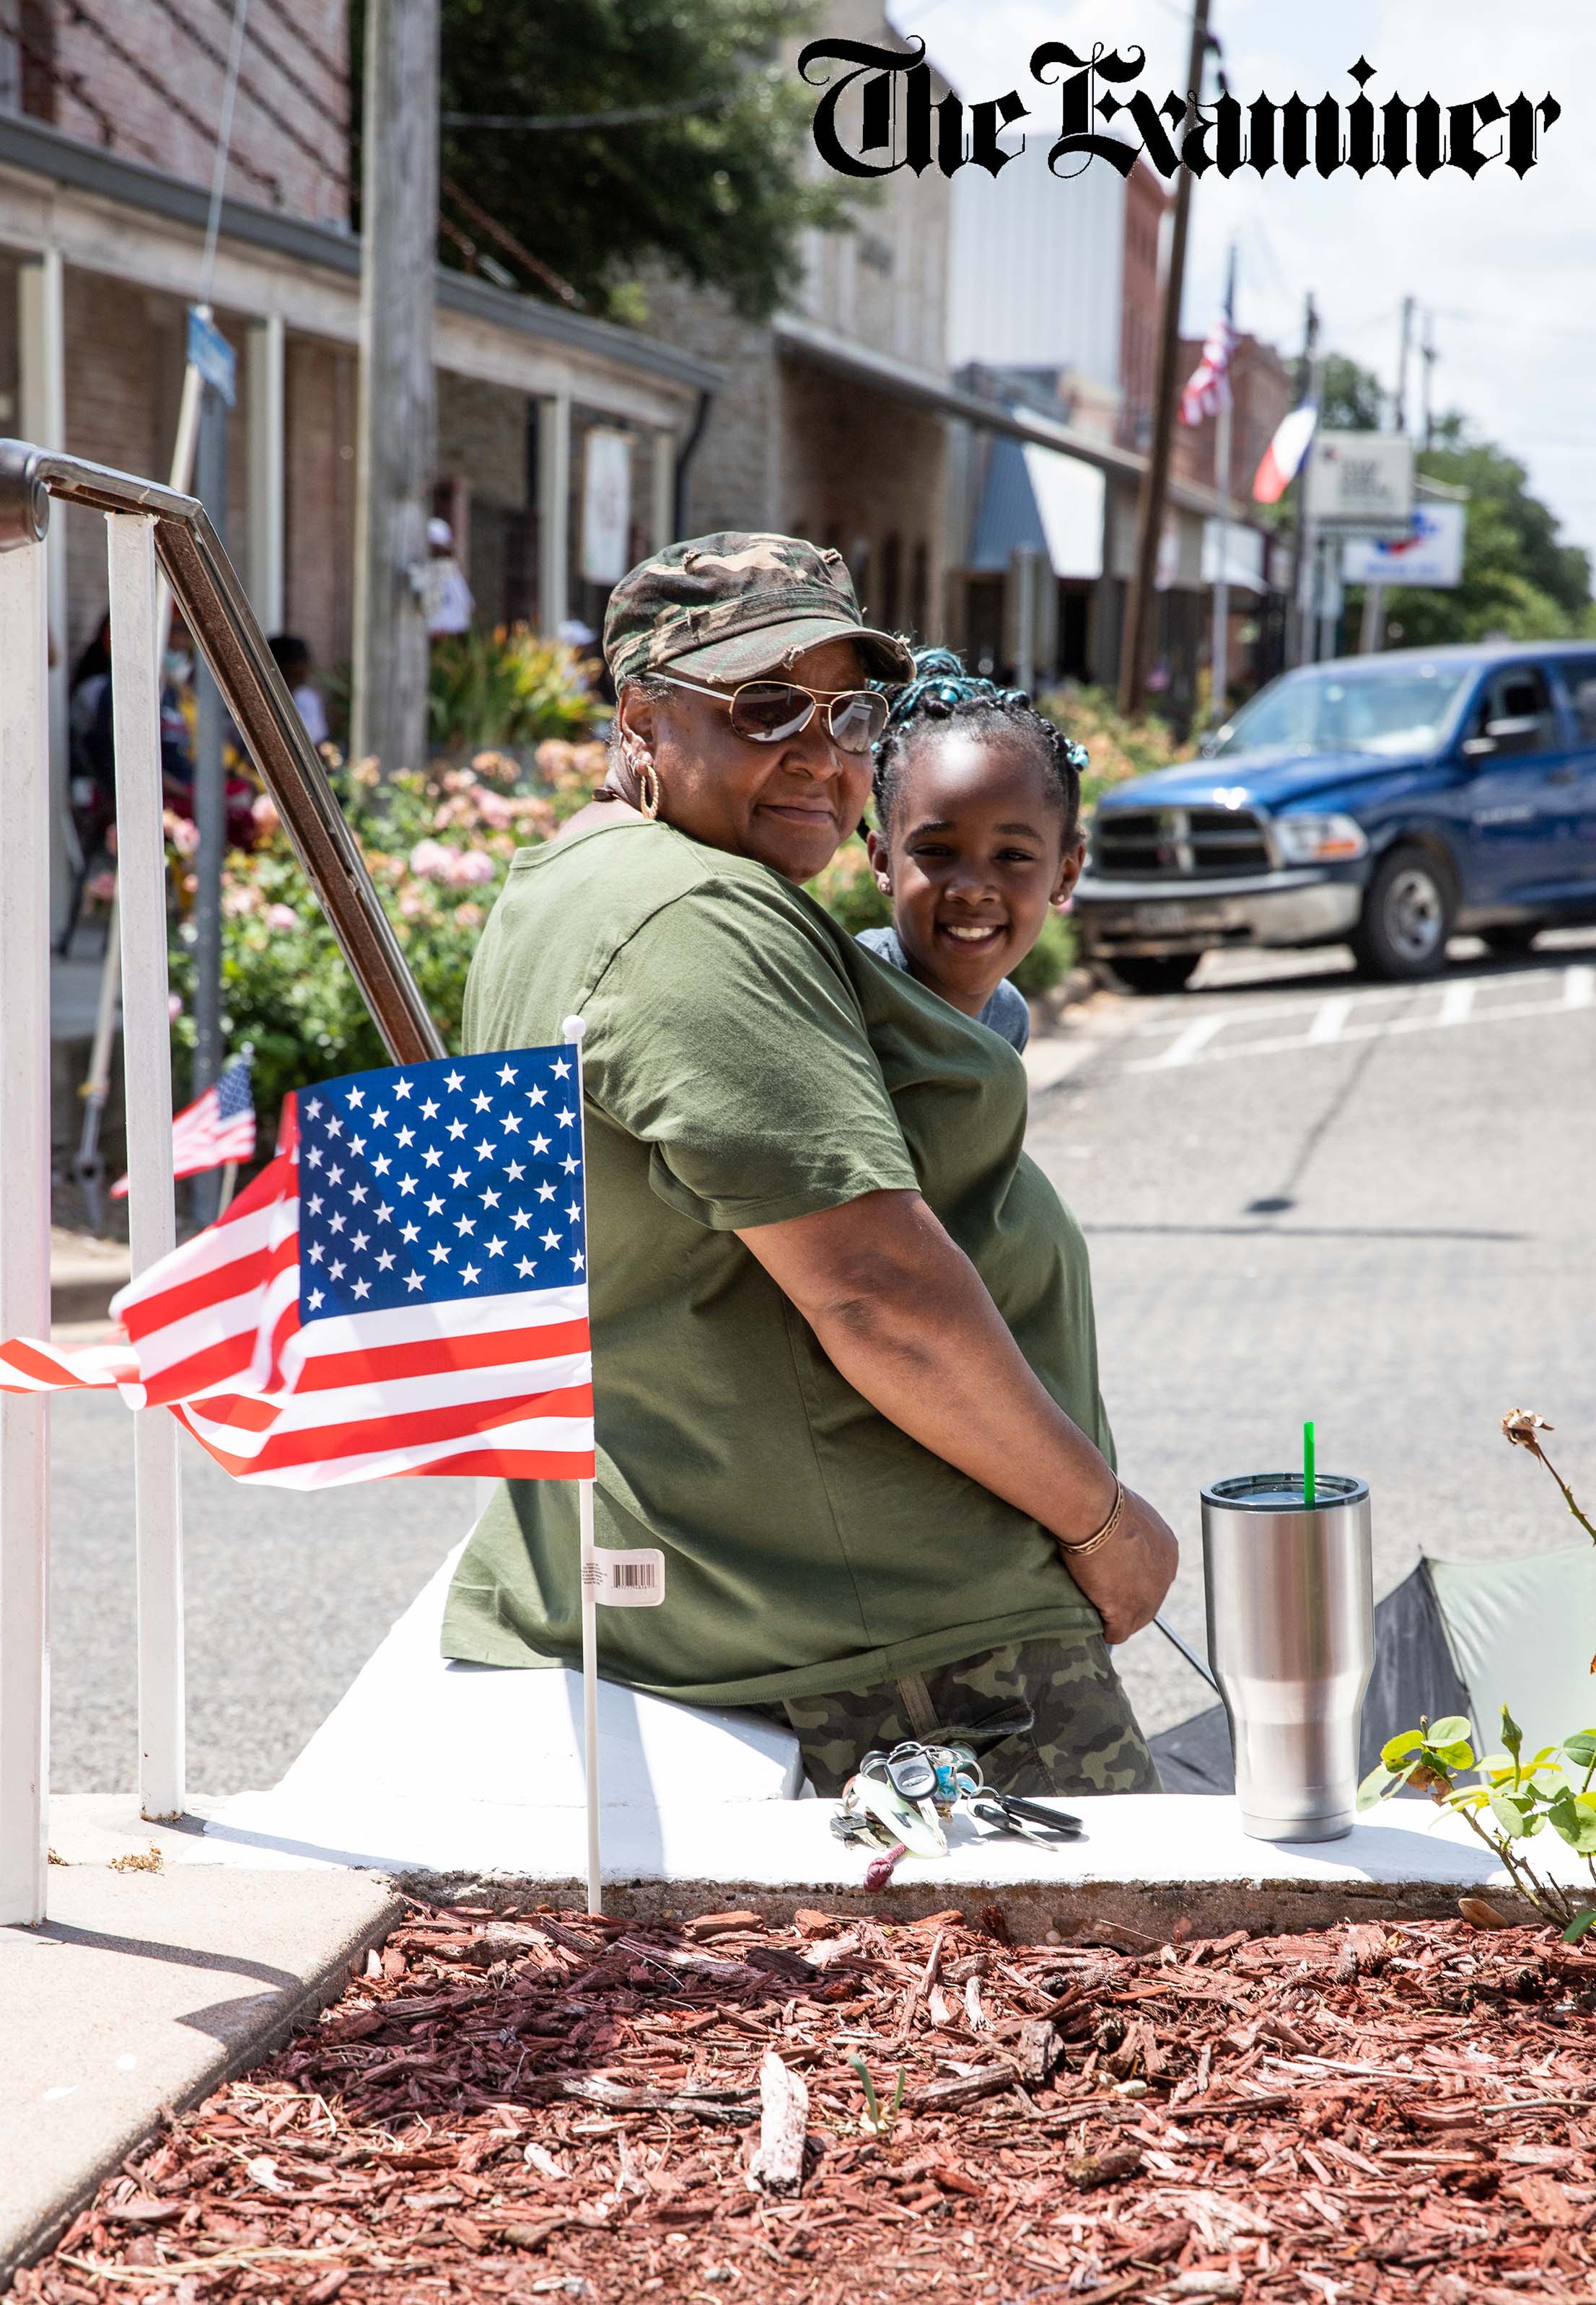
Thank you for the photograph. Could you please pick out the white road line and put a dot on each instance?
(1507, 1013)
(1186, 1045)
(1457, 1002)
(1331, 1019)
(1579, 988)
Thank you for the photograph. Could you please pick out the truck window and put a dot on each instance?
(1518, 695)
(1579, 672)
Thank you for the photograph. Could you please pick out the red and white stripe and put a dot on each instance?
(1282, 460)
(1207, 387)
(501, 1386)
(201, 1139)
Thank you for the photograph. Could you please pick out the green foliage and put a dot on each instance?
(437, 846)
(716, 192)
(1117, 748)
(1350, 399)
(505, 686)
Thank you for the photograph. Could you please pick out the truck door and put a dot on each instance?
(1578, 677)
(1524, 792)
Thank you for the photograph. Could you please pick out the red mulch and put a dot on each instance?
(515, 2105)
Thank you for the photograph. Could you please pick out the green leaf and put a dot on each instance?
(1574, 1815)
(1509, 1816)
(1456, 1757)
(1467, 1797)
(1580, 1926)
(1513, 1736)
(1452, 1730)
(1397, 1748)
(1581, 1747)
(1375, 1788)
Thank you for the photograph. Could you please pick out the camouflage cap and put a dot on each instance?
(732, 606)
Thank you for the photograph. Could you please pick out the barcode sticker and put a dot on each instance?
(630, 1580)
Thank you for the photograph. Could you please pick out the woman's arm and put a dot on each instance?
(903, 1314)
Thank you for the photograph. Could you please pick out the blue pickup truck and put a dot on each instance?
(1383, 802)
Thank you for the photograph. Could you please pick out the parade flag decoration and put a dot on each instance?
(1207, 387)
(218, 1126)
(1282, 460)
(402, 1290)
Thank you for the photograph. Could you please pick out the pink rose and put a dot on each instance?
(281, 916)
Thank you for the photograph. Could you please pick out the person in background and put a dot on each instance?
(978, 834)
(445, 594)
(295, 663)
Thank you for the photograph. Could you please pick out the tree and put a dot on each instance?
(711, 184)
(1519, 580)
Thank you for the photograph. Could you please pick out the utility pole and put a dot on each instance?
(1303, 587)
(1371, 636)
(1427, 354)
(210, 806)
(1136, 639)
(1219, 653)
(398, 403)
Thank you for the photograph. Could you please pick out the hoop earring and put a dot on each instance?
(648, 789)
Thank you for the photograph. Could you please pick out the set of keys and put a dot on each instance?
(900, 1802)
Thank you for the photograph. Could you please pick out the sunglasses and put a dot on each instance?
(765, 712)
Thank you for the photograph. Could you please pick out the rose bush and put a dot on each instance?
(437, 846)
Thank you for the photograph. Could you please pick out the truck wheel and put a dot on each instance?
(1159, 972)
(1406, 919)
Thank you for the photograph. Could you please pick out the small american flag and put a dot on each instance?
(218, 1126)
(1207, 387)
(402, 1290)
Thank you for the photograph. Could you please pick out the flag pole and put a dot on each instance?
(588, 1574)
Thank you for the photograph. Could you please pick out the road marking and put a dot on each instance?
(1186, 1044)
(1331, 1020)
(1457, 1006)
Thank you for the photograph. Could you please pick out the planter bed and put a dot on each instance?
(516, 2103)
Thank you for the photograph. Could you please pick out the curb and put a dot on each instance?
(34, 2236)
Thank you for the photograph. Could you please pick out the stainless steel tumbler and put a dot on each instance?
(1291, 1637)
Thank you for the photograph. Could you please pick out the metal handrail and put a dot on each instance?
(217, 614)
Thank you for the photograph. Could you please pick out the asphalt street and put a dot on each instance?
(1306, 1195)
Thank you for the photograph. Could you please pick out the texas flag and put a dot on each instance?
(1282, 458)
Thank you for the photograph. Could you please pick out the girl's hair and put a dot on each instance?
(942, 693)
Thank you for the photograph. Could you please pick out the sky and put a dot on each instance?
(1507, 265)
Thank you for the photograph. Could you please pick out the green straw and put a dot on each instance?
(1308, 1488)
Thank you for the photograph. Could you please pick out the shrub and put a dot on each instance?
(1119, 748)
(505, 687)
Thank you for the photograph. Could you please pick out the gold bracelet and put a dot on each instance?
(1078, 1548)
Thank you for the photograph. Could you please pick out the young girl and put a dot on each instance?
(978, 815)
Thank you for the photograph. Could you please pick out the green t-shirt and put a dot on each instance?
(747, 1061)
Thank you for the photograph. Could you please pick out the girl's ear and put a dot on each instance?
(1072, 865)
(877, 848)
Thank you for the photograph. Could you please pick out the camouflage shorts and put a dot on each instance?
(1072, 1729)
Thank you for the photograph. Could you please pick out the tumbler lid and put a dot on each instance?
(1277, 1493)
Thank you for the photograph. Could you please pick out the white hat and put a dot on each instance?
(438, 532)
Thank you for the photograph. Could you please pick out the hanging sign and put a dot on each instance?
(210, 352)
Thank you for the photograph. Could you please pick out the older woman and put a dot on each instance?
(845, 1369)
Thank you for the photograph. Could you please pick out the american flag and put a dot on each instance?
(402, 1290)
(218, 1126)
(1207, 387)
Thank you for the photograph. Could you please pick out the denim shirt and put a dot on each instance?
(1005, 1014)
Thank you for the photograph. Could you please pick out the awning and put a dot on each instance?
(1040, 498)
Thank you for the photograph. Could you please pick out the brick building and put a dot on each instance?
(108, 119)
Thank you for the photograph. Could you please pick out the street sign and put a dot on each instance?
(1430, 554)
(210, 352)
(1360, 483)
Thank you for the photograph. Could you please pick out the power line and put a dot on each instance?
(542, 121)
(224, 145)
(280, 64)
(242, 83)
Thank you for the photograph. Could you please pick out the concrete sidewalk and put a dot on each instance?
(143, 1990)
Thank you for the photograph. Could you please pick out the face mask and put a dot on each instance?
(177, 667)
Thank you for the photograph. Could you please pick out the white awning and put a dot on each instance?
(1069, 496)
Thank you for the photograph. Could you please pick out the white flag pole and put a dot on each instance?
(588, 1568)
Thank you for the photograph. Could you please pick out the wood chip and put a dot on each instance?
(778, 2163)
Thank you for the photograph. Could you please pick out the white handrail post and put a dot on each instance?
(25, 1230)
(152, 1232)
